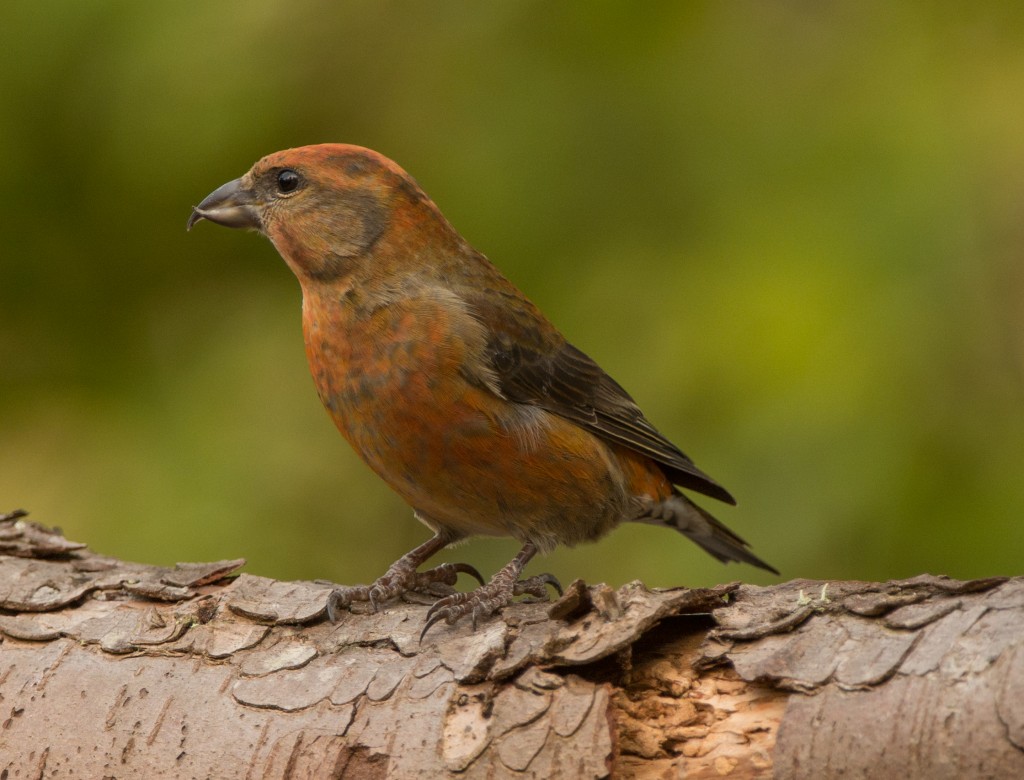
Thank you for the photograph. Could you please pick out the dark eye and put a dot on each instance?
(288, 181)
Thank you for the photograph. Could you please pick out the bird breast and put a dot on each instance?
(406, 384)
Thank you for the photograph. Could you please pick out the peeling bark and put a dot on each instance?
(115, 669)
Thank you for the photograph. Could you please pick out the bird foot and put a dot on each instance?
(400, 580)
(489, 598)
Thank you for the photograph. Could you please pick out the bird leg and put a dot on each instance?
(402, 578)
(489, 598)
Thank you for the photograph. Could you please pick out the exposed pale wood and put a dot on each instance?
(113, 669)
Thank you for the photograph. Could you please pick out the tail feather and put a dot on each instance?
(681, 514)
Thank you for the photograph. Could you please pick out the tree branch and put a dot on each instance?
(117, 669)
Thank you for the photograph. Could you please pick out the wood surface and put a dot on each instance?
(110, 669)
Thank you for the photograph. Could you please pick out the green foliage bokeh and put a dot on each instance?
(792, 231)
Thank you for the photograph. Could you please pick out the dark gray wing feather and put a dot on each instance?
(568, 383)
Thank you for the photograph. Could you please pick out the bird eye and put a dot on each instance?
(288, 181)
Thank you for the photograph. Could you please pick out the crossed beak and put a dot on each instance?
(229, 205)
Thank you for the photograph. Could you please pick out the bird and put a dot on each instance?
(452, 386)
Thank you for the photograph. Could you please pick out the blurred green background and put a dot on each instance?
(792, 230)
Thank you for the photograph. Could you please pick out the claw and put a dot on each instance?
(447, 601)
(465, 568)
(431, 620)
(551, 580)
(537, 586)
(378, 593)
(334, 600)
(441, 610)
(446, 574)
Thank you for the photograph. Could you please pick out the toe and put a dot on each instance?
(537, 586)
(337, 600)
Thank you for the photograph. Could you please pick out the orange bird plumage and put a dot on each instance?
(451, 385)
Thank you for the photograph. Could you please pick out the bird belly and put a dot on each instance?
(463, 457)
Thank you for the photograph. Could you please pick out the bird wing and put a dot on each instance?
(565, 381)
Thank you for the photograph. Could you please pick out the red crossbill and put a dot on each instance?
(452, 386)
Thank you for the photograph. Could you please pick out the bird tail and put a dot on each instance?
(680, 513)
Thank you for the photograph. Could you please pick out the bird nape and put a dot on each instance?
(452, 386)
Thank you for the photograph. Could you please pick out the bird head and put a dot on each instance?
(324, 206)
